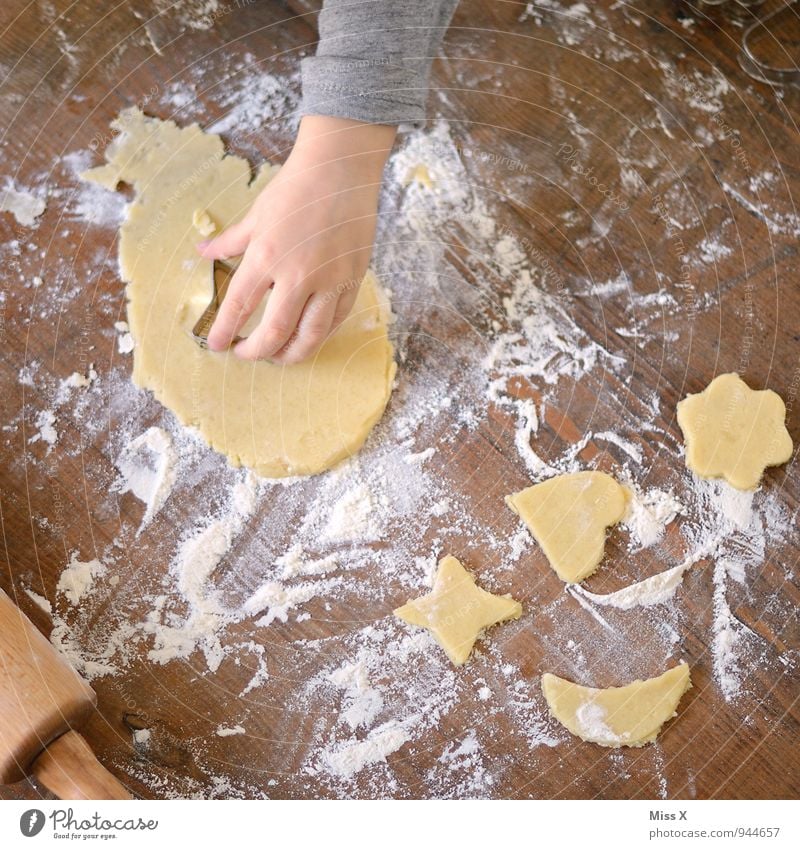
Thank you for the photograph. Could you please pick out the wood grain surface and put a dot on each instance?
(515, 89)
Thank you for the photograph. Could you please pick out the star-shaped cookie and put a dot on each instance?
(734, 432)
(457, 610)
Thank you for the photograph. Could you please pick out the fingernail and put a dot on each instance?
(201, 246)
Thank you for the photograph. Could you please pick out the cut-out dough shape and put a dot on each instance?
(734, 432)
(457, 610)
(277, 420)
(617, 716)
(568, 516)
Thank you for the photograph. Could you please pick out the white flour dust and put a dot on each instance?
(654, 590)
(147, 467)
(47, 433)
(75, 381)
(736, 531)
(177, 635)
(78, 578)
(23, 205)
(89, 203)
(591, 718)
(649, 513)
(125, 343)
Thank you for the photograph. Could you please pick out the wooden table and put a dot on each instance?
(517, 89)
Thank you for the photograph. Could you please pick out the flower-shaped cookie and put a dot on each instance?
(734, 432)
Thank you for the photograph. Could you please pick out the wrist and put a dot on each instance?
(323, 139)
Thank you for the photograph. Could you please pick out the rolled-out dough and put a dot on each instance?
(277, 420)
(734, 432)
(617, 716)
(568, 516)
(457, 610)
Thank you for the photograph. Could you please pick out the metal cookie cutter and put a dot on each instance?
(765, 71)
(221, 276)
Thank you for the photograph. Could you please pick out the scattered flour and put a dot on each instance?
(147, 466)
(28, 372)
(193, 566)
(141, 736)
(712, 251)
(591, 718)
(463, 760)
(194, 14)
(354, 517)
(23, 205)
(728, 633)
(648, 514)
(346, 760)
(252, 102)
(88, 202)
(125, 341)
(519, 542)
(278, 600)
(91, 661)
(75, 381)
(40, 601)
(527, 426)
(229, 731)
(421, 456)
(363, 702)
(654, 590)
(294, 563)
(734, 529)
(78, 577)
(46, 422)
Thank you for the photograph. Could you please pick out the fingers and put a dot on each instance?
(277, 325)
(231, 242)
(248, 286)
(344, 306)
(313, 330)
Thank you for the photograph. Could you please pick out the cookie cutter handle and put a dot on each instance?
(221, 276)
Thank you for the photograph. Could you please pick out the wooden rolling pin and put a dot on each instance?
(42, 699)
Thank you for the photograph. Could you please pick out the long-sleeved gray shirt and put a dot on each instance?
(374, 59)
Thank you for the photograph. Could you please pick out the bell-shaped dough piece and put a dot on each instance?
(618, 716)
(568, 515)
(734, 432)
(457, 610)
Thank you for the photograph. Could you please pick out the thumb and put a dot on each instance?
(231, 242)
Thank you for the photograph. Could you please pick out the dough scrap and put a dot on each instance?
(277, 420)
(421, 175)
(734, 432)
(617, 716)
(457, 610)
(203, 222)
(568, 516)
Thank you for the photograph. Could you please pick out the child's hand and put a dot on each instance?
(309, 237)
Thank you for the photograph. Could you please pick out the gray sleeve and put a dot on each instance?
(374, 59)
